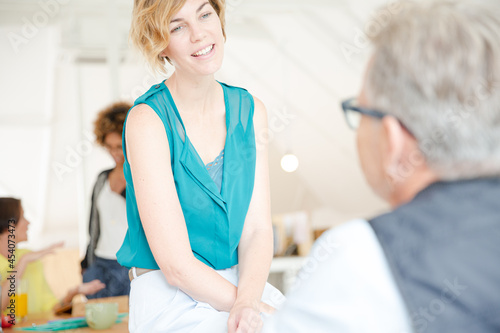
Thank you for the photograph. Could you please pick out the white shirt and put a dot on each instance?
(345, 286)
(112, 221)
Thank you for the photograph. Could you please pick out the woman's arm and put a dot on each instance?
(255, 249)
(148, 154)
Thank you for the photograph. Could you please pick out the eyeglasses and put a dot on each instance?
(353, 113)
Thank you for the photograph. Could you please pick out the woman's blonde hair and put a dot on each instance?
(150, 33)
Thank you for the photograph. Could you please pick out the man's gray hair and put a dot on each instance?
(436, 67)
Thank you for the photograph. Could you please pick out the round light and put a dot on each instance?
(289, 162)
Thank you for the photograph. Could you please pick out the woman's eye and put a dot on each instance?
(176, 29)
(204, 16)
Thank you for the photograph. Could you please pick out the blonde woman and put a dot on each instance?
(199, 241)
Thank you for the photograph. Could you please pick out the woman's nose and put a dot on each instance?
(198, 33)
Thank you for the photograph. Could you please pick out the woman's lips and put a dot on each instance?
(205, 51)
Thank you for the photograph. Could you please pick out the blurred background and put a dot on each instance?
(62, 61)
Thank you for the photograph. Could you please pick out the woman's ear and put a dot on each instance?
(393, 145)
(163, 56)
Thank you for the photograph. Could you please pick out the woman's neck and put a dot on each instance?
(192, 94)
(118, 167)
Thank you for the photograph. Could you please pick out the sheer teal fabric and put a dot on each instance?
(215, 169)
(214, 214)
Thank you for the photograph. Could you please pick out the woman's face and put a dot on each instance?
(196, 44)
(21, 228)
(113, 144)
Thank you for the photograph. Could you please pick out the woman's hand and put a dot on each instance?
(266, 308)
(90, 288)
(245, 317)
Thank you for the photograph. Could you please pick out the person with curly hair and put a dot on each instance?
(108, 218)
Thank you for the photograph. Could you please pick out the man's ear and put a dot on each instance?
(393, 144)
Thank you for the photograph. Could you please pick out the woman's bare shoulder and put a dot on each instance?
(140, 115)
(260, 113)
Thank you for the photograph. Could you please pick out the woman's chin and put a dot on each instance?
(208, 70)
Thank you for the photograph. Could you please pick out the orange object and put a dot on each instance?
(21, 305)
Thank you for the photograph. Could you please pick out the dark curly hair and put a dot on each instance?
(110, 120)
(10, 209)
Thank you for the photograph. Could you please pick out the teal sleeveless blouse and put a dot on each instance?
(214, 218)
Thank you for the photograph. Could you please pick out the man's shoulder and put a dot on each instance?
(351, 248)
(345, 277)
(346, 234)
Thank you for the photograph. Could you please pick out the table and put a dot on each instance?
(44, 317)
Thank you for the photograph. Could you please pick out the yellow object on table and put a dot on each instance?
(21, 301)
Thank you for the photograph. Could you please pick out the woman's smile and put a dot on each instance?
(204, 52)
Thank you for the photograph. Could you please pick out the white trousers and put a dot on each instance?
(156, 306)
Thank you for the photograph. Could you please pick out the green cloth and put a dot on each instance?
(63, 324)
(214, 218)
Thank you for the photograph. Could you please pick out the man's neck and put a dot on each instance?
(406, 190)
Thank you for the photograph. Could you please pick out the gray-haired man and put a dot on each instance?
(428, 134)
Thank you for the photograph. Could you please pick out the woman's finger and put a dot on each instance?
(231, 324)
(266, 308)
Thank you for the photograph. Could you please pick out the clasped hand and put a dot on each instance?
(245, 317)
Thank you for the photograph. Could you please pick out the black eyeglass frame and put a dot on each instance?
(347, 106)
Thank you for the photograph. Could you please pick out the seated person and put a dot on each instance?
(428, 138)
(108, 213)
(13, 230)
